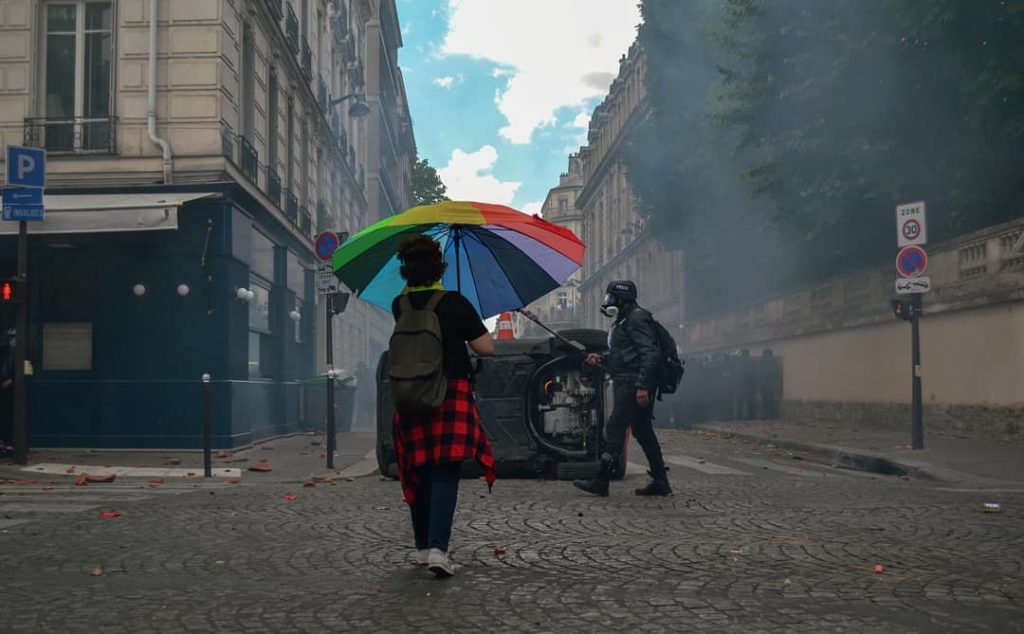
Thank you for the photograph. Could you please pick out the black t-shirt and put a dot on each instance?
(459, 323)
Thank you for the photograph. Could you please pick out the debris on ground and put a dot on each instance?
(224, 454)
(96, 572)
(69, 470)
(382, 508)
(155, 482)
(109, 515)
(288, 498)
(233, 481)
(174, 461)
(500, 551)
(879, 569)
(263, 465)
(309, 484)
(82, 480)
(316, 443)
(991, 507)
(26, 482)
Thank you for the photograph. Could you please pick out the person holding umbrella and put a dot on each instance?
(432, 442)
(497, 259)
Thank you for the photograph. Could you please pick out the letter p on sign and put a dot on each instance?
(26, 166)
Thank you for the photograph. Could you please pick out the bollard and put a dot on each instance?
(207, 430)
(331, 436)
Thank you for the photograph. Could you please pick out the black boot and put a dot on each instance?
(658, 485)
(599, 484)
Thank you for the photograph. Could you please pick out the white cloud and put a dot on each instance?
(468, 177)
(448, 81)
(533, 208)
(559, 53)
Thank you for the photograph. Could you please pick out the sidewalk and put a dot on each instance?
(952, 460)
(290, 459)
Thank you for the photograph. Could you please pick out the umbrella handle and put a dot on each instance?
(529, 315)
(458, 260)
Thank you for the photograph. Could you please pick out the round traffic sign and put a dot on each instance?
(911, 229)
(326, 244)
(911, 261)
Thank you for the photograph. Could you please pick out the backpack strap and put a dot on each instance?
(434, 300)
(404, 305)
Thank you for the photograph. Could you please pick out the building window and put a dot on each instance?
(298, 322)
(563, 205)
(272, 114)
(78, 76)
(247, 81)
(304, 170)
(289, 167)
(259, 329)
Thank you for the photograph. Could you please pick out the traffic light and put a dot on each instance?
(9, 292)
(903, 309)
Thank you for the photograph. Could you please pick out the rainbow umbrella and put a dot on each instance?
(499, 258)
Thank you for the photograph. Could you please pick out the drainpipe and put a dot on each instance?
(151, 109)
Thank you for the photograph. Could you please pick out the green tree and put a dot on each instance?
(817, 119)
(427, 187)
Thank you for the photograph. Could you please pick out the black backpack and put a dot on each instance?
(670, 367)
(416, 358)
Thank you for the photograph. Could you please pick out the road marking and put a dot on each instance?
(703, 466)
(129, 472)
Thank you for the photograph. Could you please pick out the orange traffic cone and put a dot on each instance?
(505, 326)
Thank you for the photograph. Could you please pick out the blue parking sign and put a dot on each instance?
(26, 166)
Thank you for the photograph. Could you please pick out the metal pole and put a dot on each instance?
(329, 304)
(20, 352)
(207, 430)
(917, 429)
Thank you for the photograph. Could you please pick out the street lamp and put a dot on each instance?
(358, 109)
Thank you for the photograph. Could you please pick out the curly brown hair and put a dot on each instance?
(422, 260)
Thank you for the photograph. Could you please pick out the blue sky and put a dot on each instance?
(501, 91)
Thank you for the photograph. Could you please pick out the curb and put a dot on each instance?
(834, 456)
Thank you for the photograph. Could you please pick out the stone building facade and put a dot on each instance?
(618, 244)
(559, 308)
(270, 120)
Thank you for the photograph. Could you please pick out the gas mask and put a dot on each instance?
(610, 307)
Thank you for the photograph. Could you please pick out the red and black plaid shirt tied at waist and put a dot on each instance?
(452, 433)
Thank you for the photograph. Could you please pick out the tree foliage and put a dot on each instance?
(788, 130)
(427, 187)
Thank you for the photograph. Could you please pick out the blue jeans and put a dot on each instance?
(434, 505)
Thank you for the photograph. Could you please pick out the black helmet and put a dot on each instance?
(625, 290)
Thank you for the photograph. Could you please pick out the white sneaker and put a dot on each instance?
(439, 564)
(418, 557)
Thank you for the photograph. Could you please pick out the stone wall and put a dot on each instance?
(845, 357)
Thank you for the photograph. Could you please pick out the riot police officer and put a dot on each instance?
(632, 362)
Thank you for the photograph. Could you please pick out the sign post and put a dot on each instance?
(911, 263)
(26, 176)
(326, 243)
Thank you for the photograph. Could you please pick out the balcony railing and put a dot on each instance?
(273, 186)
(291, 29)
(305, 221)
(291, 205)
(227, 140)
(276, 8)
(77, 135)
(307, 60)
(249, 159)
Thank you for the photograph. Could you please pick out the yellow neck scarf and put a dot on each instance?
(436, 286)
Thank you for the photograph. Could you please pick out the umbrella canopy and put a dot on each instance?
(499, 258)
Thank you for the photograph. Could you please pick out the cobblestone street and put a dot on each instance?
(749, 542)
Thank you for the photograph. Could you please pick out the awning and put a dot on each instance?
(106, 213)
